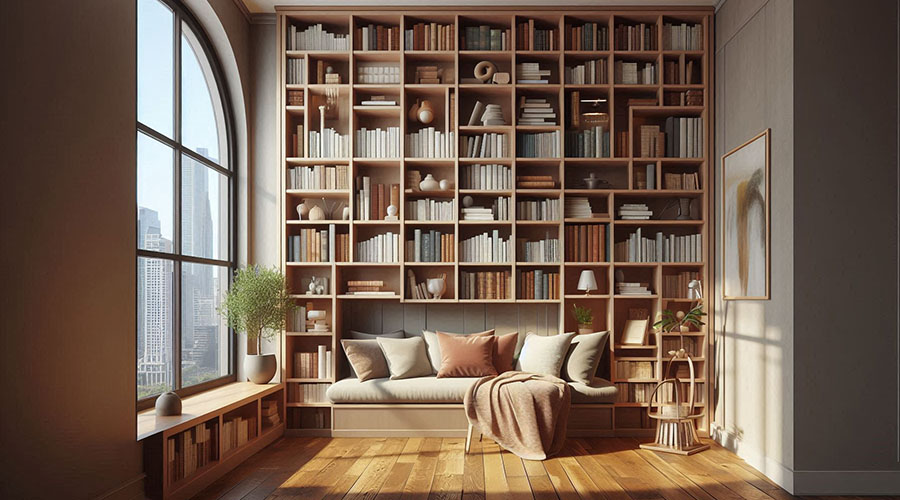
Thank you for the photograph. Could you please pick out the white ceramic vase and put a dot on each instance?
(429, 183)
(436, 287)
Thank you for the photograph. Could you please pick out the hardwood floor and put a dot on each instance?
(438, 468)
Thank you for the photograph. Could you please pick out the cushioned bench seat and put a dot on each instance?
(442, 390)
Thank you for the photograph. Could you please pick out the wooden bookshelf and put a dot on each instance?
(627, 106)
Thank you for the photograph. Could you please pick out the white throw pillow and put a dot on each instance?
(544, 354)
(406, 358)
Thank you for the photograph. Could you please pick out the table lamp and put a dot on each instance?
(587, 281)
(695, 290)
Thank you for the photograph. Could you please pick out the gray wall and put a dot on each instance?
(754, 91)
(845, 227)
(67, 223)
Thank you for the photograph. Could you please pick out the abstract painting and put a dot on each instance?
(745, 220)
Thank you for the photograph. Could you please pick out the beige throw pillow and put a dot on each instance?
(406, 358)
(366, 359)
(544, 354)
(583, 357)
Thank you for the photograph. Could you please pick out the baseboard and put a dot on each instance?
(133, 489)
(772, 469)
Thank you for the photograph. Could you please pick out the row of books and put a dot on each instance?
(485, 247)
(295, 98)
(376, 37)
(536, 111)
(538, 285)
(635, 369)
(692, 345)
(190, 450)
(499, 210)
(634, 211)
(635, 73)
(430, 246)
(632, 288)
(645, 178)
(684, 137)
(587, 36)
(531, 73)
(372, 201)
(546, 209)
(675, 286)
(592, 142)
(328, 144)
(298, 143)
(634, 393)
(587, 73)
(297, 322)
(680, 72)
(682, 36)
(683, 98)
(661, 248)
(296, 69)
(309, 418)
(319, 177)
(378, 143)
(430, 36)
(271, 416)
(484, 285)
(485, 38)
(378, 74)
(379, 248)
(585, 243)
(545, 250)
(538, 145)
(652, 141)
(315, 37)
(490, 176)
(689, 181)
(319, 245)
(429, 142)
(488, 145)
(429, 209)
(529, 37)
(316, 364)
(236, 432)
(641, 36)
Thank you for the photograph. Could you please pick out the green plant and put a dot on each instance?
(257, 304)
(670, 321)
(583, 315)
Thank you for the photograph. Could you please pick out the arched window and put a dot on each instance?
(185, 212)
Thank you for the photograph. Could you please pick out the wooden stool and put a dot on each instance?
(675, 429)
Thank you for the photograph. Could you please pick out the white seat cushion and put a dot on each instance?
(408, 390)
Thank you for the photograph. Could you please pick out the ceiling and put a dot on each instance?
(268, 6)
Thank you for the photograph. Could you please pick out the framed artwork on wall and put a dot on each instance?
(745, 220)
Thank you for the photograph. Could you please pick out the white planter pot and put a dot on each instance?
(260, 368)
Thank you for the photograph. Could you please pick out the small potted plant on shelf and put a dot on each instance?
(670, 321)
(257, 305)
(585, 319)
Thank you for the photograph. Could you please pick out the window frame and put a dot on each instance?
(182, 15)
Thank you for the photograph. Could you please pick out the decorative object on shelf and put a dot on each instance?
(317, 316)
(429, 183)
(501, 78)
(414, 111)
(303, 211)
(746, 207)
(635, 331)
(168, 404)
(391, 213)
(331, 78)
(425, 113)
(316, 286)
(680, 321)
(316, 213)
(695, 290)
(332, 101)
(585, 319)
(594, 182)
(484, 71)
(257, 304)
(444, 184)
(437, 286)
(345, 213)
(467, 201)
(329, 210)
(587, 281)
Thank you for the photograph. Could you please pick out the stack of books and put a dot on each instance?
(538, 145)
(316, 38)
(430, 246)
(578, 207)
(485, 247)
(430, 36)
(295, 98)
(531, 73)
(295, 74)
(535, 182)
(485, 177)
(528, 37)
(585, 243)
(634, 211)
(429, 142)
(587, 36)
(488, 145)
(372, 200)
(490, 114)
(499, 210)
(632, 288)
(428, 74)
(378, 143)
(379, 248)
(367, 287)
(485, 38)
(640, 36)
(484, 285)
(682, 36)
(635, 73)
(538, 285)
(376, 37)
(428, 209)
(546, 209)
(536, 111)
(318, 177)
(270, 414)
(380, 73)
(589, 72)
(544, 250)
(379, 100)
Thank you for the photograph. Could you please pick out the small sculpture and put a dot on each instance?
(485, 70)
(425, 113)
(501, 78)
(467, 201)
(302, 211)
(436, 286)
(391, 213)
(444, 184)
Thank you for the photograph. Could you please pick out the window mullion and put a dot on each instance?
(177, 299)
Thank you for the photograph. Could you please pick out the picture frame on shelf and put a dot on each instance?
(635, 331)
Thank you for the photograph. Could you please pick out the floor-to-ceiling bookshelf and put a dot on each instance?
(623, 106)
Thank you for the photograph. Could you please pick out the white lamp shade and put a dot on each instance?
(695, 290)
(587, 281)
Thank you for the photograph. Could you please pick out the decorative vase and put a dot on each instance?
(303, 211)
(436, 287)
(591, 181)
(467, 201)
(584, 328)
(429, 183)
(345, 214)
(444, 184)
(316, 213)
(168, 404)
(260, 368)
(414, 111)
(684, 328)
(425, 113)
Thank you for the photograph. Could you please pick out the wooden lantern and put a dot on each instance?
(676, 431)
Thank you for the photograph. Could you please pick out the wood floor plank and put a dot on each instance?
(580, 479)
(495, 482)
(560, 480)
(392, 488)
(541, 487)
(473, 473)
(601, 476)
(371, 479)
(411, 450)
(418, 486)
(512, 464)
(446, 487)
(450, 458)
(674, 475)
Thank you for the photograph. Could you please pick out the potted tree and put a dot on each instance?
(257, 305)
(585, 319)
